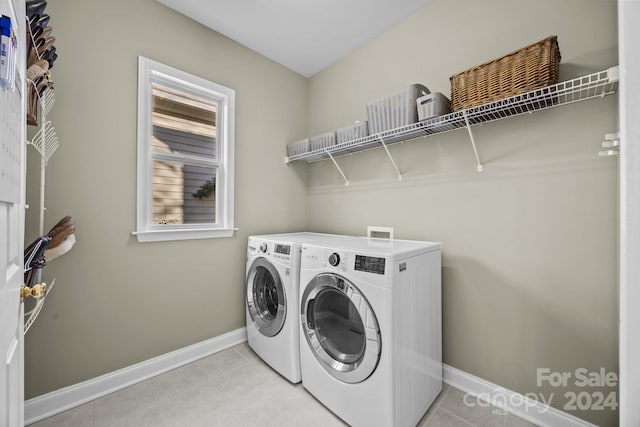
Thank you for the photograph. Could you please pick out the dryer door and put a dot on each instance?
(341, 328)
(266, 299)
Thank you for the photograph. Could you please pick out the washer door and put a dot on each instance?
(341, 328)
(266, 300)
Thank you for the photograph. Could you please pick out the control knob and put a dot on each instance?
(263, 247)
(334, 259)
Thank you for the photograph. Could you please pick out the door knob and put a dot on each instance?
(36, 291)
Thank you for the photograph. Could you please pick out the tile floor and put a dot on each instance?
(235, 388)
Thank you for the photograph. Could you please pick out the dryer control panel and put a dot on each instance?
(318, 257)
(334, 259)
(369, 264)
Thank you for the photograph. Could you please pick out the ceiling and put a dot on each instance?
(303, 35)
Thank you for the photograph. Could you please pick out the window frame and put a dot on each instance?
(150, 72)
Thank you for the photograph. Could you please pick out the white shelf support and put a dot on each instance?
(473, 142)
(346, 181)
(391, 158)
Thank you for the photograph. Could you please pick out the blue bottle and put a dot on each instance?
(5, 52)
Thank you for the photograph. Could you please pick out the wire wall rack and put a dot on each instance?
(596, 85)
(45, 142)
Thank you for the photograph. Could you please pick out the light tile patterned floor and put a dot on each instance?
(235, 388)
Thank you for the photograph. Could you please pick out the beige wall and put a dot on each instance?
(116, 301)
(529, 246)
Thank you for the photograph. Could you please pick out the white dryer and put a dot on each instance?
(371, 335)
(272, 297)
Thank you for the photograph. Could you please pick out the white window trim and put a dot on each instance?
(151, 71)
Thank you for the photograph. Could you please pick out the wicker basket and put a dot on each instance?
(532, 67)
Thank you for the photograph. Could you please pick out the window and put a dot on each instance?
(185, 155)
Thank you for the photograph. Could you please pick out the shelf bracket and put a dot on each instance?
(346, 181)
(384, 145)
(473, 142)
(612, 144)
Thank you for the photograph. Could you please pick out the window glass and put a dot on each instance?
(185, 155)
(183, 193)
(183, 123)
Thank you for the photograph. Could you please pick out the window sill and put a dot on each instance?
(182, 234)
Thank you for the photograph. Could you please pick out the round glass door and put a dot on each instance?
(340, 328)
(266, 300)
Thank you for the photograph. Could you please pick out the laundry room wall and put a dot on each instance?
(529, 245)
(117, 302)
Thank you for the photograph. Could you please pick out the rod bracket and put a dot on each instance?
(384, 145)
(473, 142)
(346, 181)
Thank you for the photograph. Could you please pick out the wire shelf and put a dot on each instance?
(591, 86)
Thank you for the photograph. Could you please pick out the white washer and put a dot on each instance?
(371, 335)
(272, 298)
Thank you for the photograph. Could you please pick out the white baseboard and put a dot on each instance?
(66, 398)
(519, 405)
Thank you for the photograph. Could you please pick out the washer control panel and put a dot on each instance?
(280, 251)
